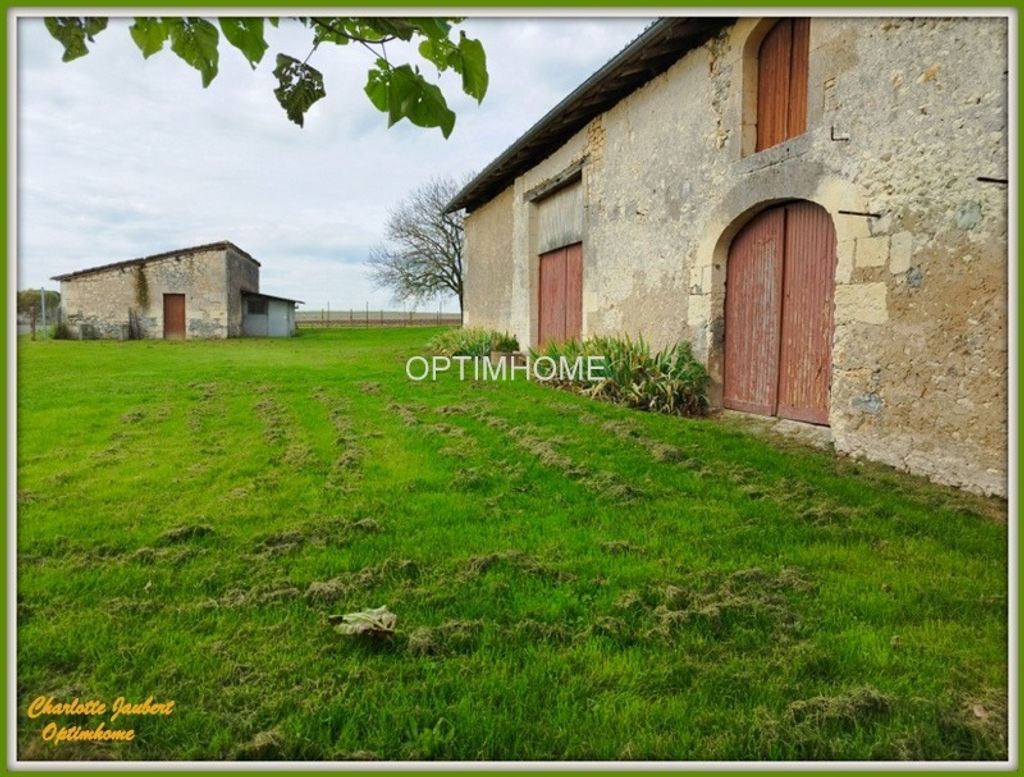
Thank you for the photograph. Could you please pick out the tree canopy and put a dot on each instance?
(399, 90)
(422, 256)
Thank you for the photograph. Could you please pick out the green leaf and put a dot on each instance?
(411, 96)
(377, 86)
(73, 31)
(195, 41)
(149, 34)
(474, 67)
(299, 86)
(246, 35)
(434, 27)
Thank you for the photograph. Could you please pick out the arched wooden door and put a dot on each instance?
(779, 291)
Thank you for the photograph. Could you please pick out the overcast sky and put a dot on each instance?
(122, 157)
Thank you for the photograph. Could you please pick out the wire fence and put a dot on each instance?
(329, 317)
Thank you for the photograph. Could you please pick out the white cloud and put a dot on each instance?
(122, 157)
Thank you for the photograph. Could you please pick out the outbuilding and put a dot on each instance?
(206, 291)
(818, 205)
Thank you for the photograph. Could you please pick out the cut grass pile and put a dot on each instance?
(571, 579)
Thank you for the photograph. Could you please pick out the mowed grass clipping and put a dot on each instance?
(572, 579)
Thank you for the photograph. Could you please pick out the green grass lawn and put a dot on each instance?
(572, 580)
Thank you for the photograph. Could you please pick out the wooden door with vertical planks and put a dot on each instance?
(174, 316)
(560, 303)
(779, 298)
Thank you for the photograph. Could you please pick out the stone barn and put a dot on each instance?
(207, 291)
(818, 205)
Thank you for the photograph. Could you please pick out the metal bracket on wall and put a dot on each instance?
(839, 138)
(987, 179)
(860, 213)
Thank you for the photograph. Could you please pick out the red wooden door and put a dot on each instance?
(753, 303)
(174, 316)
(782, 64)
(560, 309)
(573, 291)
(778, 314)
(805, 352)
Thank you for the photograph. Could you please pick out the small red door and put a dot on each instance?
(174, 316)
(782, 64)
(560, 309)
(779, 298)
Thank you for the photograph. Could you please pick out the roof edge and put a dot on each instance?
(683, 34)
(220, 245)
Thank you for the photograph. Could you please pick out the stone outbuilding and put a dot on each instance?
(818, 205)
(207, 291)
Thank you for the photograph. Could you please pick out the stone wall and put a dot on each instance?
(99, 304)
(487, 282)
(904, 116)
(242, 275)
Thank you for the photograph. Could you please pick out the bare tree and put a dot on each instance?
(421, 258)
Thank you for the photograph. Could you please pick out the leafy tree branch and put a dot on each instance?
(399, 90)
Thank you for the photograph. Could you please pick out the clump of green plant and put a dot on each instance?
(668, 381)
(61, 331)
(504, 342)
(472, 342)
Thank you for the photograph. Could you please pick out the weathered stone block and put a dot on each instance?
(872, 251)
(864, 302)
(901, 251)
(844, 260)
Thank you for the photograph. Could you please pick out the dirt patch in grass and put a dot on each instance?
(975, 724)
(336, 531)
(279, 543)
(620, 547)
(817, 728)
(344, 472)
(368, 387)
(133, 417)
(720, 605)
(175, 555)
(529, 439)
(850, 707)
(256, 596)
(533, 630)
(462, 408)
(186, 533)
(450, 637)
(326, 591)
(365, 579)
(205, 397)
(406, 412)
(634, 433)
(476, 566)
(265, 746)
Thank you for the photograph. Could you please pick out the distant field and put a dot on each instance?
(572, 580)
(374, 318)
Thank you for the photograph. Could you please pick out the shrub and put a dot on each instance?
(471, 342)
(668, 381)
(61, 331)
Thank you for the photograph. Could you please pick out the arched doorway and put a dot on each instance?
(779, 296)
